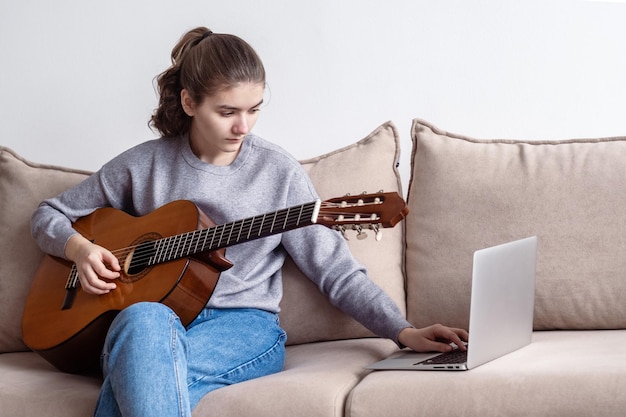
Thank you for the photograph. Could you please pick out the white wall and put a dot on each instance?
(76, 76)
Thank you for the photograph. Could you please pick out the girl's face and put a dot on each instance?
(221, 121)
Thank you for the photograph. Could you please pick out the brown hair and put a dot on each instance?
(203, 63)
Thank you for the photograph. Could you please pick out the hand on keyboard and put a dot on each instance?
(435, 338)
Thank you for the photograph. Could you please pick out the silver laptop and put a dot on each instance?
(501, 311)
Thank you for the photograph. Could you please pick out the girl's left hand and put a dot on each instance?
(435, 338)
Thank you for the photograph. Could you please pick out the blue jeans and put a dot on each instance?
(153, 365)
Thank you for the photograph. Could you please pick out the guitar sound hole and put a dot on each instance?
(141, 257)
(137, 261)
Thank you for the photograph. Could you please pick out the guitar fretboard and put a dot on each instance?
(240, 231)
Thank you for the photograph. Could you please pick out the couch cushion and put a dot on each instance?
(367, 165)
(30, 386)
(316, 381)
(23, 185)
(561, 373)
(466, 194)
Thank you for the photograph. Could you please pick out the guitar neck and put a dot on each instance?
(240, 231)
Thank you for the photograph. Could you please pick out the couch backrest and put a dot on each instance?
(367, 165)
(466, 194)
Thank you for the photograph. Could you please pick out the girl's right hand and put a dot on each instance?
(96, 265)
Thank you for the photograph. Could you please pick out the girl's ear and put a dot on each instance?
(187, 103)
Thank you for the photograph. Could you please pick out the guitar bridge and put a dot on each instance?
(68, 300)
(70, 289)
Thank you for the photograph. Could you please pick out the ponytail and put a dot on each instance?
(203, 63)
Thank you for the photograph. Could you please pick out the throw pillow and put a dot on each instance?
(367, 165)
(466, 194)
(23, 185)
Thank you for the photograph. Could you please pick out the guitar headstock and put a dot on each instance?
(355, 211)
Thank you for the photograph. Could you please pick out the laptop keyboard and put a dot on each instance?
(454, 356)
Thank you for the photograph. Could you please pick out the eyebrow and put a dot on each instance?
(227, 107)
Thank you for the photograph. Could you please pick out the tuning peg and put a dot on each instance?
(378, 233)
(342, 229)
(360, 233)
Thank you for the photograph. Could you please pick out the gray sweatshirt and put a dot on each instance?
(263, 178)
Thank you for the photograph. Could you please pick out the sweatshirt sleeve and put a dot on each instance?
(51, 223)
(325, 258)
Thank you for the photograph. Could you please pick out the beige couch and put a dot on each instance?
(464, 194)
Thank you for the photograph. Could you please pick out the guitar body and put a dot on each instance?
(70, 335)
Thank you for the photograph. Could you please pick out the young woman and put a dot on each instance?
(209, 102)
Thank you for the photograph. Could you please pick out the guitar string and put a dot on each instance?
(181, 245)
(173, 243)
(192, 238)
(143, 256)
(188, 239)
(146, 254)
(126, 249)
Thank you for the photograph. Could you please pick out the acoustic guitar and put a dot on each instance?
(173, 255)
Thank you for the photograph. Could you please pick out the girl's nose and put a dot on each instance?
(241, 126)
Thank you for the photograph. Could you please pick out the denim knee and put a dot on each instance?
(142, 321)
(144, 362)
(143, 311)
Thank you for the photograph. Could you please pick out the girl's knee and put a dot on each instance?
(144, 316)
(145, 310)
